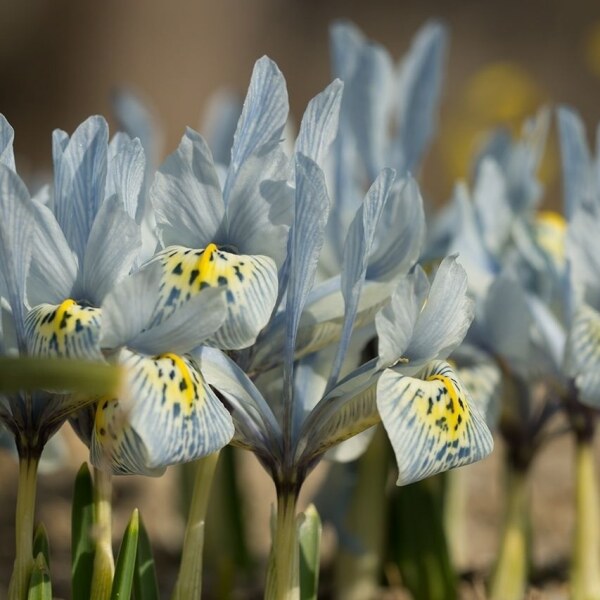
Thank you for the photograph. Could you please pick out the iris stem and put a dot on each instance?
(104, 562)
(455, 516)
(189, 580)
(510, 574)
(24, 519)
(585, 569)
(357, 575)
(283, 575)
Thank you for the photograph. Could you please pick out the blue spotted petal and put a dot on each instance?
(54, 265)
(67, 330)
(165, 414)
(249, 282)
(419, 85)
(263, 117)
(16, 235)
(79, 180)
(582, 360)
(186, 195)
(431, 422)
(7, 135)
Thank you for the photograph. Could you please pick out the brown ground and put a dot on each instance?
(552, 514)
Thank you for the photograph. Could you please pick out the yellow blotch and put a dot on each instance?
(456, 415)
(182, 387)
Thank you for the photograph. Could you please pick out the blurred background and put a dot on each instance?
(61, 61)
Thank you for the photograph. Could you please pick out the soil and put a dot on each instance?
(551, 482)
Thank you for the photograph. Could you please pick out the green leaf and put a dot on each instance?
(418, 545)
(82, 544)
(40, 586)
(40, 543)
(26, 373)
(126, 562)
(145, 584)
(309, 538)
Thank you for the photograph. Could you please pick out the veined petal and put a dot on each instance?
(53, 264)
(80, 179)
(321, 322)
(166, 414)
(446, 316)
(111, 250)
(186, 194)
(222, 112)
(306, 240)
(367, 105)
(400, 234)
(256, 428)
(263, 117)
(431, 422)
(582, 359)
(319, 125)
(395, 322)
(259, 207)
(349, 409)
(356, 256)
(419, 82)
(481, 375)
(250, 284)
(189, 326)
(16, 234)
(7, 135)
(66, 330)
(125, 173)
(128, 308)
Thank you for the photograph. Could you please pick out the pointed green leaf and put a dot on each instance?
(40, 543)
(82, 544)
(40, 586)
(421, 551)
(145, 584)
(126, 561)
(309, 538)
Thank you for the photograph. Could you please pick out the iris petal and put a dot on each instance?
(250, 283)
(431, 422)
(66, 330)
(167, 414)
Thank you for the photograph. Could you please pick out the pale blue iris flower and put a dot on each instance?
(85, 242)
(31, 417)
(292, 425)
(581, 178)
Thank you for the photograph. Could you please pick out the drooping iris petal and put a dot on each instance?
(583, 354)
(67, 330)
(431, 422)
(250, 283)
(166, 414)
